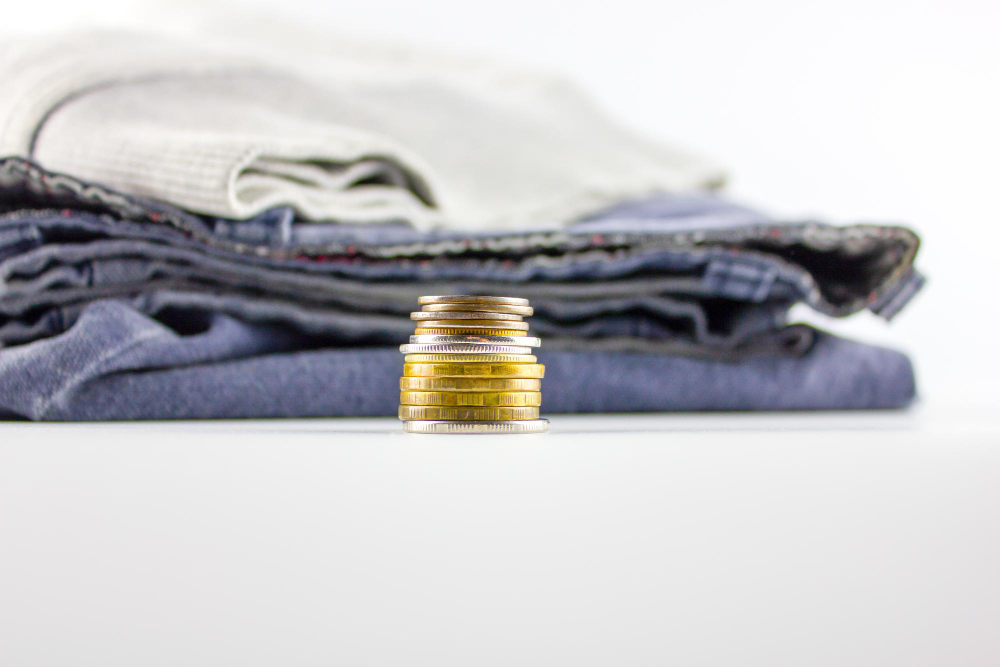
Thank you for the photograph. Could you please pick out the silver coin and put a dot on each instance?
(476, 308)
(507, 317)
(469, 298)
(464, 349)
(506, 427)
(451, 324)
(472, 339)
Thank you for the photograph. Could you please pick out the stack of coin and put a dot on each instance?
(469, 369)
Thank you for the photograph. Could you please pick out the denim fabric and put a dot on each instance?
(108, 294)
(63, 275)
(836, 270)
(710, 294)
(116, 363)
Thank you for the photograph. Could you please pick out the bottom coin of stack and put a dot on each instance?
(469, 368)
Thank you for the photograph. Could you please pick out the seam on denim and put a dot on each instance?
(914, 283)
(821, 233)
(764, 287)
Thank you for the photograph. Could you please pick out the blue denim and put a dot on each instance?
(117, 363)
(836, 270)
(60, 276)
(98, 289)
(58, 260)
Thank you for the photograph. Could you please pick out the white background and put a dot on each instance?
(687, 540)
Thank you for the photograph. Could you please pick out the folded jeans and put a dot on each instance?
(117, 363)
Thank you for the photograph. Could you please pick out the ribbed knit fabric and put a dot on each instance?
(347, 135)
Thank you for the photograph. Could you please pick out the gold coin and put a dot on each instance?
(474, 324)
(421, 412)
(489, 317)
(470, 399)
(477, 308)
(470, 298)
(469, 384)
(424, 331)
(474, 370)
(470, 358)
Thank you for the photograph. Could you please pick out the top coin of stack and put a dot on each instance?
(469, 369)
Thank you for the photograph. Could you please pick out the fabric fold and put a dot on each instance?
(119, 364)
(109, 299)
(219, 131)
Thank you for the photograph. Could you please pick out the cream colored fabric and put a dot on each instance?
(347, 132)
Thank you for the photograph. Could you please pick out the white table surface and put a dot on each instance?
(796, 539)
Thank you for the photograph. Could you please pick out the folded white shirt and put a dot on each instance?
(349, 134)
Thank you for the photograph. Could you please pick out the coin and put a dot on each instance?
(509, 427)
(440, 412)
(424, 331)
(474, 370)
(464, 349)
(420, 315)
(529, 341)
(469, 367)
(481, 384)
(473, 324)
(467, 298)
(474, 307)
(471, 399)
(475, 358)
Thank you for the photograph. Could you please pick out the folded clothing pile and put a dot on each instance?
(214, 234)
